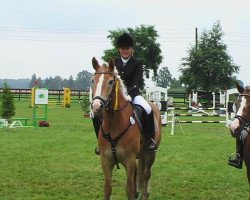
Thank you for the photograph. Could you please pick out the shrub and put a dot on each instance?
(7, 106)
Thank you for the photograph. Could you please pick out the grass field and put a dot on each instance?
(59, 162)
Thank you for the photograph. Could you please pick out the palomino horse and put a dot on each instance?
(241, 123)
(120, 139)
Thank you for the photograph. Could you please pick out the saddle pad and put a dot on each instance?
(140, 116)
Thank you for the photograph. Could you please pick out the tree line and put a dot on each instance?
(207, 65)
(82, 82)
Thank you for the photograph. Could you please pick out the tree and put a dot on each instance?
(176, 84)
(146, 47)
(164, 78)
(32, 81)
(7, 106)
(57, 83)
(35, 82)
(208, 67)
(70, 82)
(83, 80)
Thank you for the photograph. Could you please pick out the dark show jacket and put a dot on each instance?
(132, 75)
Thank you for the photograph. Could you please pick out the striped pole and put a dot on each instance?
(199, 122)
(196, 109)
(196, 115)
(175, 116)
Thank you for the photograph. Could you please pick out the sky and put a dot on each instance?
(60, 37)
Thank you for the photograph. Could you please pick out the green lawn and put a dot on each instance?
(59, 162)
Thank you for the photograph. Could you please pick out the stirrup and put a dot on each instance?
(235, 162)
(151, 145)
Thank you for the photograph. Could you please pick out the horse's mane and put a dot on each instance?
(122, 88)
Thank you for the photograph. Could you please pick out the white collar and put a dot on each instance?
(125, 60)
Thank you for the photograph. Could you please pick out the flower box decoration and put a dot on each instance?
(43, 124)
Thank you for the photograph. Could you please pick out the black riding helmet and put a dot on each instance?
(124, 40)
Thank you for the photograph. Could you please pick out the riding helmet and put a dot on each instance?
(125, 40)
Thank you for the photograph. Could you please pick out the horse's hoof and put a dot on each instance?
(97, 151)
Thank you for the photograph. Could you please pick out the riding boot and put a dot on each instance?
(238, 159)
(96, 123)
(150, 133)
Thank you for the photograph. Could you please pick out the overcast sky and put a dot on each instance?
(60, 37)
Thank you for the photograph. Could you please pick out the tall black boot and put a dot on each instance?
(96, 123)
(238, 159)
(150, 133)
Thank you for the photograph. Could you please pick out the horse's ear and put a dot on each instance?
(112, 64)
(239, 88)
(95, 63)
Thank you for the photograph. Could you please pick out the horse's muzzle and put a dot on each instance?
(97, 106)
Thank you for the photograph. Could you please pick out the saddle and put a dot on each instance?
(140, 115)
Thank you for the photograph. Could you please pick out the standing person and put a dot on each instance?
(130, 70)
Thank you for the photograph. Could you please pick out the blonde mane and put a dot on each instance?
(122, 86)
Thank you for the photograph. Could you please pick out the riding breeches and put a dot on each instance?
(142, 102)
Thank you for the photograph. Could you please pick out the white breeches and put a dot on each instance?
(142, 102)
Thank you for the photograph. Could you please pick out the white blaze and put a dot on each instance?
(96, 103)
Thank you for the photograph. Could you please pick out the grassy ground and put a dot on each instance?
(59, 162)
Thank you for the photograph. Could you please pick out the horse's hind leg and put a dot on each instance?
(147, 163)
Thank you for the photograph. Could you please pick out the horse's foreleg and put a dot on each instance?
(107, 170)
(131, 183)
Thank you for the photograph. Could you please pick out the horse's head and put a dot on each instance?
(242, 105)
(103, 85)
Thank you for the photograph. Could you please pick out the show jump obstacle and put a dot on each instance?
(225, 113)
(66, 97)
(39, 97)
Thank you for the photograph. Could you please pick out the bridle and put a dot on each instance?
(105, 102)
(109, 99)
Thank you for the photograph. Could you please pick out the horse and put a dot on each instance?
(241, 123)
(120, 139)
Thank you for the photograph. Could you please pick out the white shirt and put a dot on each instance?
(124, 61)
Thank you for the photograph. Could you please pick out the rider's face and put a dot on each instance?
(126, 52)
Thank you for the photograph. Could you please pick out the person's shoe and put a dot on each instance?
(235, 162)
(151, 145)
(97, 151)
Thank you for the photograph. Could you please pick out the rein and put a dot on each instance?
(244, 95)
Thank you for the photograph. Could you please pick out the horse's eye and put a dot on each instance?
(92, 80)
(111, 82)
